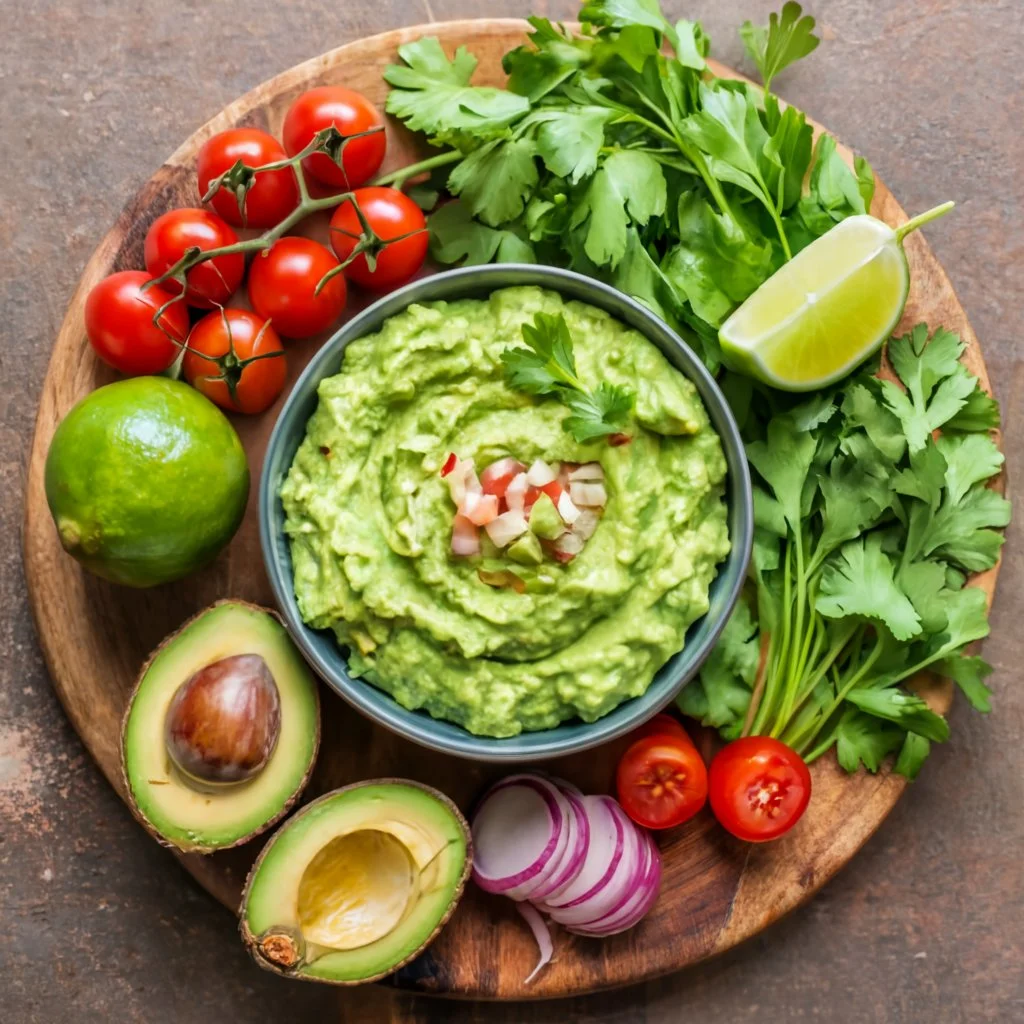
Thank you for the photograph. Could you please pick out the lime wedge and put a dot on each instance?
(825, 311)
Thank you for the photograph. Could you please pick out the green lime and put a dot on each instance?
(146, 481)
(826, 310)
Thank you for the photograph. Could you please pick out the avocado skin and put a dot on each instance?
(146, 481)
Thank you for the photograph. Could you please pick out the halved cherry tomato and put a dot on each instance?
(391, 215)
(498, 475)
(662, 725)
(759, 788)
(271, 195)
(662, 781)
(119, 324)
(350, 112)
(237, 360)
(208, 284)
(282, 287)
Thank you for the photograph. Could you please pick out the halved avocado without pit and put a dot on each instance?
(221, 731)
(357, 883)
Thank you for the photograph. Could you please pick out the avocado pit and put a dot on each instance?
(224, 721)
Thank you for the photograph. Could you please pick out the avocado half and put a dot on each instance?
(177, 810)
(357, 883)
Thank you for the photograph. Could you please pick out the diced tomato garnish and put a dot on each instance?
(449, 463)
(498, 475)
(553, 490)
(617, 440)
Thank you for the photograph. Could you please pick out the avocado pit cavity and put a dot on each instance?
(224, 721)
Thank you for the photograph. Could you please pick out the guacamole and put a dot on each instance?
(369, 519)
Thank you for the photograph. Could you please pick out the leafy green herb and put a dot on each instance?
(548, 367)
(788, 37)
(865, 530)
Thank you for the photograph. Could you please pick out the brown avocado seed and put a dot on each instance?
(223, 722)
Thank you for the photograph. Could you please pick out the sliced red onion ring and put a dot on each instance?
(576, 847)
(540, 932)
(516, 831)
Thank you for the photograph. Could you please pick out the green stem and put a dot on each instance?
(777, 667)
(403, 174)
(923, 218)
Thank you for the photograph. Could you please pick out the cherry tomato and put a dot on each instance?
(759, 788)
(282, 283)
(237, 360)
(271, 195)
(119, 324)
(208, 284)
(662, 781)
(350, 113)
(662, 725)
(391, 214)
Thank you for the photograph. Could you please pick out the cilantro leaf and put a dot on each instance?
(913, 754)
(980, 412)
(495, 180)
(534, 71)
(859, 581)
(783, 460)
(787, 152)
(569, 140)
(860, 739)
(905, 709)
(598, 413)
(970, 459)
(937, 383)
(862, 408)
(627, 186)
(969, 673)
(787, 38)
(625, 13)
(549, 367)
(455, 236)
(432, 94)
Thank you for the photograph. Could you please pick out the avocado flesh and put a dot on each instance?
(544, 519)
(184, 814)
(391, 917)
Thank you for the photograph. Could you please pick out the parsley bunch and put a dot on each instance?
(867, 525)
(609, 155)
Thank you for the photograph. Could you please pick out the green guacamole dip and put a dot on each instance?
(370, 519)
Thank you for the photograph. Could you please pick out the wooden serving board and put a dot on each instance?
(716, 891)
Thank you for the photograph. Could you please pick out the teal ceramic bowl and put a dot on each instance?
(329, 660)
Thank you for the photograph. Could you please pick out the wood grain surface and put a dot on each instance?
(716, 891)
(923, 926)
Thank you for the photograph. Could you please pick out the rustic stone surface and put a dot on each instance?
(100, 923)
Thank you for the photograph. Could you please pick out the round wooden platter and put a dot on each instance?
(716, 891)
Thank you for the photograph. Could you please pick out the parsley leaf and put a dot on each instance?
(905, 709)
(569, 141)
(495, 180)
(432, 94)
(859, 740)
(787, 38)
(456, 236)
(913, 754)
(549, 367)
(969, 673)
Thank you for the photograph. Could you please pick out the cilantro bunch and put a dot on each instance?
(617, 153)
(867, 525)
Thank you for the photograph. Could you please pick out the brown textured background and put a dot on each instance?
(99, 924)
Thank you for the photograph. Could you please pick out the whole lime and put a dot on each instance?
(146, 481)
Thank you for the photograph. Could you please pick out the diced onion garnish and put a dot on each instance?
(587, 472)
(465, 538)
(586, 526)
(591, 494)
(498, 475)
(506, 528)
(479, 509)
(579, 858)
(567, 509)
(567, 547)
(540, 473)
(462, 479)
(515, 493)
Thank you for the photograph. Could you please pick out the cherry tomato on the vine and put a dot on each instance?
(207, 284)
(119, 324)
(282, 286)
(759, 788)
(349, 112)
(236, 359)
(662, 781)
(391, 215)
(271, 195)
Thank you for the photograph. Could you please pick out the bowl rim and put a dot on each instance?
(572, 736)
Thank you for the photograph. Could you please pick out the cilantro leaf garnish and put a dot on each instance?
(548, 367)
(786, 39)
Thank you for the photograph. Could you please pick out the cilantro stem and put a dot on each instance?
(403, 174)
(923, 218)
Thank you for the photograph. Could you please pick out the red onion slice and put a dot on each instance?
(576, 847)
(540, 932)
(528, 889)
(516, 831)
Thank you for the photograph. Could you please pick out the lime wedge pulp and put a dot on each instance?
(826, 310)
